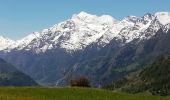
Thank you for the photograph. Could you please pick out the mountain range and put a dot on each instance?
(99, 47)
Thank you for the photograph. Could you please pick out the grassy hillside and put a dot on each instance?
(38, 93)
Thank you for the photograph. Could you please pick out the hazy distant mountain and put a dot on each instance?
(10, 76)
(99, 47)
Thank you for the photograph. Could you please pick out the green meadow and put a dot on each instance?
(39, 93)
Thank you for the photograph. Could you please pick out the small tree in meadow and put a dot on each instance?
(80, 82)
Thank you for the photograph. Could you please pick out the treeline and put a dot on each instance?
(155, 78)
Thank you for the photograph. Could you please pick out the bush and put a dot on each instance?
(80, 82)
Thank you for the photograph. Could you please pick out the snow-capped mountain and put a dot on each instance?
(84, 29)
(100, 47)
(5, 42)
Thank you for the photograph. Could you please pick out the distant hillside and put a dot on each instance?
(10, 76)
(155, 78)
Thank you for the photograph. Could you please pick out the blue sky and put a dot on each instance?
(18, 18)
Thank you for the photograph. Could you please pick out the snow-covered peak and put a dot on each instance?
(73, 34)
(85, 15)
(5, 42)
(163, 17)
